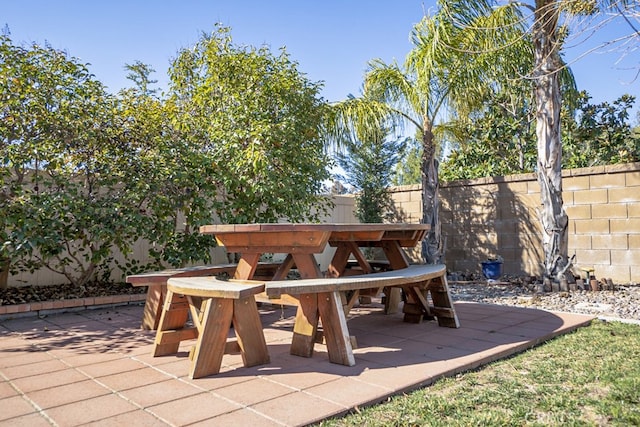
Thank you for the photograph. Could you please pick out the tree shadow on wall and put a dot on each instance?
(489, 218)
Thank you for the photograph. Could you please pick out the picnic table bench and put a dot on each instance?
(325, 300)
(321, 300)
(157, 284)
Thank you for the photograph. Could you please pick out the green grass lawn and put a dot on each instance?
(587, 378)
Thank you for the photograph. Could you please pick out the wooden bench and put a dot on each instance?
(157, 284)
(324, 300)
(214, 306)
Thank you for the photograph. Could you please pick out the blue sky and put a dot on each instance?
(331, 40)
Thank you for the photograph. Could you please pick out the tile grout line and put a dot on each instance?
(40, 411)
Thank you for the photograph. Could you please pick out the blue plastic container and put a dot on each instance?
(492, 269)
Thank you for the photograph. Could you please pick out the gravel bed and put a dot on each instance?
(621, 303)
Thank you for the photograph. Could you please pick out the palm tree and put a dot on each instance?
(547, 31)
(434, 80)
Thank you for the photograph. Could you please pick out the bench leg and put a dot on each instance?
(216, 318)
(306, 326)
(152, 308)
(248, 328)
(443, 307)
(334, 326)
(416, 306)
(171, 325)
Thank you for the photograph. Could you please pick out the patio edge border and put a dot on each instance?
(43, 308)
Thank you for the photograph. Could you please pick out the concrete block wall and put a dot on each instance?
(487, 217)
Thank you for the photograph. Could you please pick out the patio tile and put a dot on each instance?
(193, 409)
(101, 369)
(13, 407)
(22, 357)
(300, 378)
(29, 420)
(347, 391)
(157, 393)
(138, 418)
(261, 390)
(68, 393)
(6, 390)
(133, 388)
(298, 408)
(49, 380)
(128, 380)
(72, 358)
(36, 368)
(85, 411)
(241, 417)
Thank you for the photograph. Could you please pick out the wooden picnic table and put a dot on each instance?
(300, 243)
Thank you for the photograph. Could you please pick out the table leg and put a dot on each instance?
(397, 260)
(247, 265)
(307, 266)
(285, 267)
(339, 262)
(395, 255)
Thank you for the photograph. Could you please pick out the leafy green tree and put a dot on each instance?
(601, 135)
(407, 171)
(369, 166)
(63, 204)
(248, 132)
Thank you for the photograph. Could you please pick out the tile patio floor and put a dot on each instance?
(94, 367)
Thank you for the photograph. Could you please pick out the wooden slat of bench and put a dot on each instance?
(411, 274)
(161, 277)
(322, 298)
(212, 287)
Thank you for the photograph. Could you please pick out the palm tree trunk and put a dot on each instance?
(549, 169)
(431, 245)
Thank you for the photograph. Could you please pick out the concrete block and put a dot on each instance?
(533, 187)
(529, 200)
(610, 241)
(584, 197)
(625, 226)
(634, 241)
(567, 198)
(578, 211)
(579, 241)
(575, 183)
(634, 273)
(624, 195)
(632, 179)
(625, 257)
(593, 257)
(514, 187)
(633, 210)
(610, 210)
(619, 274)
(607, 180)
(592, 226)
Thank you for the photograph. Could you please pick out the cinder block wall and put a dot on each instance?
(499, 216)
(487, 217)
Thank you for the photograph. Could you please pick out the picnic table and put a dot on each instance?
(300, 243)
(318, 295)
